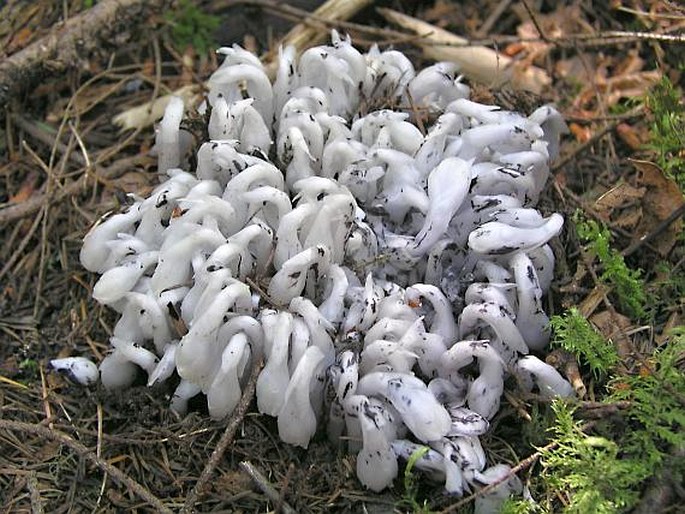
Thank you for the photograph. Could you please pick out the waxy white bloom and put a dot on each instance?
(367, 263)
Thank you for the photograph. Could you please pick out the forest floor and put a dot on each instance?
(614, 70)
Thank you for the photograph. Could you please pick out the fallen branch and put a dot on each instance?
(478, 63)
(72, 42)
(66, 440)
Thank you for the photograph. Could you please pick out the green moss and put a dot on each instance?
(191, 27)
(667, 129)
(627, 284)
(573, 333)
(657, 396)
(590, 470)
(604, 469)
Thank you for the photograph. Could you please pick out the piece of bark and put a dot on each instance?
(104, 26)
(478, 63)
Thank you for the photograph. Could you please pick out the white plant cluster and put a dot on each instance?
(389, 261)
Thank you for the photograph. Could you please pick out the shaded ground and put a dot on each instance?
(63, 164)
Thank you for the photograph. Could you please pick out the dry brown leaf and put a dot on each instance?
(661, 199)
(618, 198)
(631, 136)
(26, 189)
(674, 320)
(582, 133)
(613, 327)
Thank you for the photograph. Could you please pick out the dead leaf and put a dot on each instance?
(661, 199)
(631, 136)
(622, 205)
(26, 189)
(674, 320)
(581, 133)
(613, 327)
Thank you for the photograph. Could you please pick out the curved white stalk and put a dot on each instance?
(227, 81)
(448, 392)
(531, 320)
(484, 292)
(116, 282)
(531, 371)
(319, 327)
(288, 243)
(199, 351)
(224, 392)
(376, 461)
(507, 484)
(274, 378)
(250, 327)
(183, 393)
(79, 369)
(290, 280)
(495, 317)
(420, 411)
(436, 86)
(443, 322)
(333, 306)
(495, 238)
(448, 185)
(167, 140)
(386, 356)
(297, 419)
(484, 393)
(166, 365)
(174, 265)
(95, 252)
(259, 201)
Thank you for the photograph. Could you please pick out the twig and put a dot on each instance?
(663, 225)
(263, 483)
(69, 43)
(114, 472)
(609, 127)
(226, 439)
(492, 18)
(534, 19)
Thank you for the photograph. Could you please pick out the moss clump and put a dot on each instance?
(627, 284)
(667, 129)
(573, 333)
(191, 27)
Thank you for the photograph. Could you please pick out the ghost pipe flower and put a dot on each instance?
(376, 462)
(167, 141)
(443, 321)
(420, 411)
(531, 320)
(297, 419)
(224, 391)
(496, 238)
(484, 393)
(318, 261)
(531, 372)
(273, 381)
(79, 369)
(116, 282)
